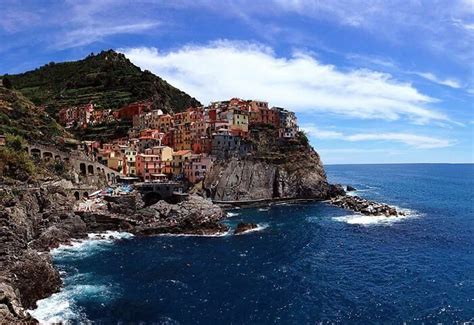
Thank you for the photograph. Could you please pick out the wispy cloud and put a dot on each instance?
(450, 82)
(224, 69)
(414, 140)
(316, 132)
(410, 139)
(90, 34)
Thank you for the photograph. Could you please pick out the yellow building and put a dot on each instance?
(115, 161)
(240, 120)
(179, 159)
(130, 162)
(165, 152)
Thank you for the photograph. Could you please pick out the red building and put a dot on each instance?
(133, 109)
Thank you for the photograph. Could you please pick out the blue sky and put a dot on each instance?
(371, 81)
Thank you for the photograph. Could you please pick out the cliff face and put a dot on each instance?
(275, 169)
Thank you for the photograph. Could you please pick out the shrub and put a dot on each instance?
(303, 138)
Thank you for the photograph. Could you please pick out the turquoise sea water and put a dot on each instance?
(308, 262)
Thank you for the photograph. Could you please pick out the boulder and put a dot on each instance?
(194, 215)
(243, 227)
(350, 188)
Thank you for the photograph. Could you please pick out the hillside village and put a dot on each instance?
(181, 146)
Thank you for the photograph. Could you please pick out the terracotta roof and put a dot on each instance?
(181, 152)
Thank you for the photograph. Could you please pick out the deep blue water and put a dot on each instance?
(311, 263)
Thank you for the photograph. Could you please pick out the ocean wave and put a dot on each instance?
(232, 214)
(93, 243)
(62, 306)
(264, 209)
(360, 219)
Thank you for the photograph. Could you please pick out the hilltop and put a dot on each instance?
(107, 79)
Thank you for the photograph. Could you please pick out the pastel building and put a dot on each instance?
(196, 168)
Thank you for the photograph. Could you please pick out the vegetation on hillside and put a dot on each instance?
(269, 147)
(15, 162)
(107, 79)
(17, 165)
(19, 116)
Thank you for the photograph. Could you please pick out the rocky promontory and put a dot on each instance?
(275, 169)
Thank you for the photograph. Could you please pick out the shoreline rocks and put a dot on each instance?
(365, 207)
(33, 221)
(350, 188)
(243, 227)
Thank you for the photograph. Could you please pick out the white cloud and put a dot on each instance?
(414, 140)
(410, 139)
(453, 83)
(227, 69)
(318, 133)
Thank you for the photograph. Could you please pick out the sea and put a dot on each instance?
(306, 263)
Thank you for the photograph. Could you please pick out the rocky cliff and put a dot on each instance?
(34, 220)
(275, 169)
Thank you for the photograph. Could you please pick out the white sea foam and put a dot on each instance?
(93, 243)
(221, 234)
(264, 209)
(62, 307)
(360, 219)
(232, 214)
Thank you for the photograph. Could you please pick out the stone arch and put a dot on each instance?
(151, 198)
(35, 152)
(108, 177)
(77, 196)
(98, 170)
(66, 159)
(90, 169)
(82, 167)
(57, 157)
(47, 155)
(86, 195)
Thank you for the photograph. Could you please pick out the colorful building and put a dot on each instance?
(179, 159)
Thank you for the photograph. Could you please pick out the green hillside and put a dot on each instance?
(20, 116)
(107, 79)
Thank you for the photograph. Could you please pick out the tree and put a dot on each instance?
(303, 138)
(7, 83)
(14, 142)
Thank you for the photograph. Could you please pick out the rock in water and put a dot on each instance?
(366, 207)
(349, 188)
(244, 227)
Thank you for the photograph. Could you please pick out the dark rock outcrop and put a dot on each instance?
(34, 221)
(195, 215)
(243, 227)
(366, 207)
(350, 188)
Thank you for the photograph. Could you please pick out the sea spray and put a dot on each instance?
(62, 306)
